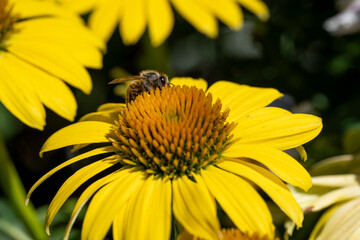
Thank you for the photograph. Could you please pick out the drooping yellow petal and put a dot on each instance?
(149, 211)
(85, 196)
(302, 152)
(110, 106)
(73, 183)
(276, 128)
(256, 6)
(226, 10)
(120, 222)
(161, 20)
(242, 99)
(335, 196)
(51, 91)
(196, 15)
(133, 21)
(105, 17)
(77, 133)
(195, 208)
(88, 154)
(282, 164)
(270, 184)
(18, 94)
(199, 83)
(240, 201)
(58, 63)
(107, 203)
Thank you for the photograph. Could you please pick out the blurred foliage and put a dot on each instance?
(291, 52)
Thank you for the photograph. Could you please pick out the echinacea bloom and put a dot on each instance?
(41, 47)
(337, 194)
(174, 152)
(134, 16)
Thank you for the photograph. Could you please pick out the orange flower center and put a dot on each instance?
(172, 132)
(7, 21)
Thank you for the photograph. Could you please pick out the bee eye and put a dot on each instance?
(162, 80)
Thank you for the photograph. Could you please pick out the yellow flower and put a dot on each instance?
(174, 152)
(134, 16)
(339, 194)
(41, 46)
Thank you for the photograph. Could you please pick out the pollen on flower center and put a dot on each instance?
(172, 132)
(7, 21)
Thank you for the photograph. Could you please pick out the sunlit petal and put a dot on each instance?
(199, 83)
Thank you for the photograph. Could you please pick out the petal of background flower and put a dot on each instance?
(270, 184)
(85, 196)
(256, 6)
(52, 92)
(53, 60)
(77, 133)
(322, 221)
(343, 222)
(73, 183)
(149, 211)
(199, 83)
(198, 16)
(242, 99)
(133, 21)
(108, 202)
(105, 17)
(240, 201)
(161, 20)
(18, 95)
(276, 128)
(282, 164)
(79, 157)
(226, 10)
(195, 208)
(340, 180)
(335, 196)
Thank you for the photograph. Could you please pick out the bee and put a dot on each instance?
(144, 82)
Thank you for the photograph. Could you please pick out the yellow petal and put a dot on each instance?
(91, 153)
(51, 91)
(161, 21)
(277, 128)
(256, 6)
(119, 223)
(103, 116)
(197, 16)
(110, 106)
(195, 208)
(226, 10)
(133, 21)
(18, 94)
(52, 60)
(270, 184)
(199, 83)
(149, 211)
(30, 9)
(240, 201)
(107, 203)
(73, 183)
(105, 17)
(302, 152)
(282, 164)
(335, 196)
(242, 99)
(85, 196)
(79, 6)
(77, 133)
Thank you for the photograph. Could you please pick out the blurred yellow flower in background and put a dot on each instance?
(135, 15)
(41, 47)
(338, 194)
(174, 152)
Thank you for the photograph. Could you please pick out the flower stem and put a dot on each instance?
(14, 190)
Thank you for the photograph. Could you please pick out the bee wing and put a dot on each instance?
(125, 79)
